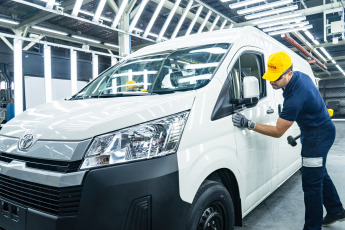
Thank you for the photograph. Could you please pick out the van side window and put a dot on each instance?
(250, 64)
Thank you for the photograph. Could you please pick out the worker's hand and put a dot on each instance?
(240, 120)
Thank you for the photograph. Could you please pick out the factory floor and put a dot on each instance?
(284, 209)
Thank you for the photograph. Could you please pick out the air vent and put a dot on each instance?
(52, 200)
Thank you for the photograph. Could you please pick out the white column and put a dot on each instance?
(94, 65)
(113, 61)
(74, 88)
(47, 73)
(18, 76)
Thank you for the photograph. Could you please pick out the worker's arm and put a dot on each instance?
(277, 131)
(274, 131)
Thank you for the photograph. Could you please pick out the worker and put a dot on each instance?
(303, 103)
(131, 86)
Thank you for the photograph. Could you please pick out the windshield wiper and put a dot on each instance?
(120, 95)
(162, 92)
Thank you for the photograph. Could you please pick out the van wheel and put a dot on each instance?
(212, 208)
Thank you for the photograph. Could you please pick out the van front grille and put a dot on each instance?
(52, 200)
(50, 165)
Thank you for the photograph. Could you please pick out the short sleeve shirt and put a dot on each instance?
(303, 102)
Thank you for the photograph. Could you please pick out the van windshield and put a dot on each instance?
(166, 72)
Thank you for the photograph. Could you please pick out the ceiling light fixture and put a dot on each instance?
(286, 26)
(137, 15)
(244, 3)
(86, 39)
(91, 14)
(9, 21)
(119, 13)
(340, 69)
(111, 45)
(311, 37)
(264, 7)
(76, 8)
(334, 62)
(277, 18)
(270, 12)
(49, 30)
(326, 53)
(290, 30)
(282, 22)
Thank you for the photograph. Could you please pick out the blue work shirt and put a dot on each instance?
(303, 102)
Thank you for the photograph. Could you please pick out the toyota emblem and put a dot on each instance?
(25, 142)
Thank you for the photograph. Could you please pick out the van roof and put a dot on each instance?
(222, 36)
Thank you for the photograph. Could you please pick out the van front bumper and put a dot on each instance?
(141, 195)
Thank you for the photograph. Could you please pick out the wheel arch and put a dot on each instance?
(228, 179)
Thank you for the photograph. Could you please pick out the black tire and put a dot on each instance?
(212, 208)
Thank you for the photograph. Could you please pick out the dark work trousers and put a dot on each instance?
(317, 185)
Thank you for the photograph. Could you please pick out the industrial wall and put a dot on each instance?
(333, 93)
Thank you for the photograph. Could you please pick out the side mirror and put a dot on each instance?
(250, 92)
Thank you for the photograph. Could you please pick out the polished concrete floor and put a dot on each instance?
(284, 209)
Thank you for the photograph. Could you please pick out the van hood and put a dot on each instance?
(83, 119)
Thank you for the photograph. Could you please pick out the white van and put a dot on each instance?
(150, 143)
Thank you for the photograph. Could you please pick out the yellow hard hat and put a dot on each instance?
(143, 90)
(130, 84)
(276, 65)
(330, 111)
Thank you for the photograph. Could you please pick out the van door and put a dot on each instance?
(254, 150)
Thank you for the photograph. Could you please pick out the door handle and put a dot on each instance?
(270, 111)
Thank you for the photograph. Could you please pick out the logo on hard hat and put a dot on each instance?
(25, 142)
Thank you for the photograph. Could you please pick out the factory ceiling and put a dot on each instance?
(313, 24)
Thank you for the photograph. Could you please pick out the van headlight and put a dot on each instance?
(148, 140)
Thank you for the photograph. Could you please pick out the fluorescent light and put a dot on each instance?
(76, 7)
(9, 21)
(137, 15)
(167, 22)
(204, 22)
(177, 28)
(309, 35)
(264, 7)
(333, 62)
(119, 13)
(49, 30)
(86, 39)
(99, 10)
(226, 0)
(111, 45)
(153, 19)
(56, 3)
(196, 16)
(214, 23)
(91, 14)
(326, 53)
(285, 26)
(223, 24)
(277, 18)
(341, 70)
(270, 12)
(290, 30)
(139, 30)
(244, 3)
(275, 23)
